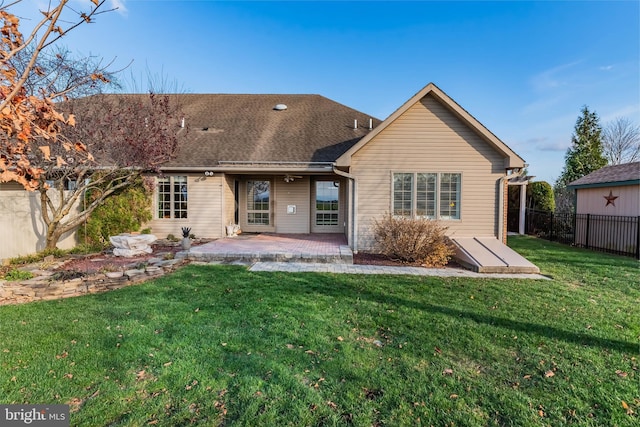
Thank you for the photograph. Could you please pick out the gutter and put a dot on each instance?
(353, 182)
(257, 167)
(604, 184)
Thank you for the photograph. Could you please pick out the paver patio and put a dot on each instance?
(316, 248)
(312, 253)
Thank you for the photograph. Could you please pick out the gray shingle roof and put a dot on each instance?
(247, 128)
(610, 174)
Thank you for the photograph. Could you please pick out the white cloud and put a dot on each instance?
(543, 104)
(552, 78)
(630, 111)
(553, 87)
(541, 143)
(553, 146)
(120, 4)
(606, 68)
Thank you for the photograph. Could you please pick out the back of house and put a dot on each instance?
(307, 164)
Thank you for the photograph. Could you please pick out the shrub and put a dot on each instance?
(37, 257)
(83, 249)
(540, 196)
(122, 212)
(15, 275)
(413, 240)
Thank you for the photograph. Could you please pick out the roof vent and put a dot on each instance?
(280, 107)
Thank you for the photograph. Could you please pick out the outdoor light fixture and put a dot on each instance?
(290, 178)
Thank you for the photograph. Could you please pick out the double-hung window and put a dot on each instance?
(427, 195)
(172, 197)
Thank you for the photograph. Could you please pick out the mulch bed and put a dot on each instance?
(93, 263)
(97, 262)
(363, 258)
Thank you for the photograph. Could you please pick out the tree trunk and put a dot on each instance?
(53, 235)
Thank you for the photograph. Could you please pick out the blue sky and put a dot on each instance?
(524, 69)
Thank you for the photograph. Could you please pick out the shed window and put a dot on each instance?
(427, 195)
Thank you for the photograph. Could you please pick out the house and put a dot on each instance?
(607, 208)
(307, 164)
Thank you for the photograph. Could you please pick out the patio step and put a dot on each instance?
(269, 247)
(345, 257)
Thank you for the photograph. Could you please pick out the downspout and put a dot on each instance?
(354, 206)
(501, 209)
(522, 209)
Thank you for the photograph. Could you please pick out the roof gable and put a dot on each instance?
(512, 160)
(624, 174)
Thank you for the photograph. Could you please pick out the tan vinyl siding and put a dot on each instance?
(204, 209)
(295, 193)
(429, 138)
(22, 230)
(592, 201)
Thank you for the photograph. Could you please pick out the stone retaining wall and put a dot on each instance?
(43, 288)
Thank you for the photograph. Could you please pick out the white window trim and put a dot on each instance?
(260, 211)
(172, 210)
(414, 192)
(336, 184)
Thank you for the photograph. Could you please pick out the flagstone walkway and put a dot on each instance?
(295, 267)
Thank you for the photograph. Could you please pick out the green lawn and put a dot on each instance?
(218, 345)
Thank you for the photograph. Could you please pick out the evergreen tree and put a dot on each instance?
(585, 155)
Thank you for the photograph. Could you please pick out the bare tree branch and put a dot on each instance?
(621, 141)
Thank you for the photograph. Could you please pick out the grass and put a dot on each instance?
(219, 345)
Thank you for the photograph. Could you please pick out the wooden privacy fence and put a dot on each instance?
(605, 233)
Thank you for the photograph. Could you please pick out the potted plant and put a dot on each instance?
(186, 240)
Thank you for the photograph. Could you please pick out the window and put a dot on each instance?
(66, 183)
(450, 196)
(427, 195)
(327, 198)
(402, 193)
(172, 197)
(258, 202)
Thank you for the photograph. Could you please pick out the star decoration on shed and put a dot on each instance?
(610, 199)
